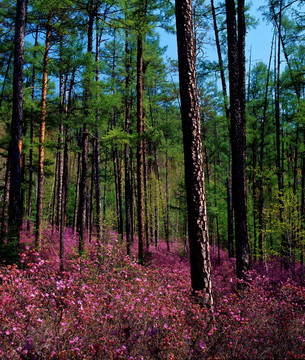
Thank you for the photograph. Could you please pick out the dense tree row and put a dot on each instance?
(93, 138)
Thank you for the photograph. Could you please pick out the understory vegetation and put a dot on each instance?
(110, 307)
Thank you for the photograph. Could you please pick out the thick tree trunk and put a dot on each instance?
(42, 136)
(236, 55)
(193, 154)
(14, 159)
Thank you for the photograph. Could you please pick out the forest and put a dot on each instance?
(151, 207)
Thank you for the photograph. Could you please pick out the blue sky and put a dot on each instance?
(258, 39)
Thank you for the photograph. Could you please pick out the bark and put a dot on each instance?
(236, 56)
(193, 154)
(42, 136)
(14, 160)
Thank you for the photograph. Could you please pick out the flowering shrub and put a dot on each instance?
(110, 307)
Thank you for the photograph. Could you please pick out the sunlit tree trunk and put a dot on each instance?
(193, 154)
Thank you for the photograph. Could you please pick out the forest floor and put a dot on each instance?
(114, 308)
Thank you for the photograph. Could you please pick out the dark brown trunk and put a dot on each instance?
(236, 56)
(14, 159)
(193, 154)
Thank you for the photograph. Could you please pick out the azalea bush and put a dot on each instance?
(110, 307)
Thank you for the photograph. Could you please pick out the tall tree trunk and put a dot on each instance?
(193, 154)
(42, 136)
(236, 55)
(14, 159)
